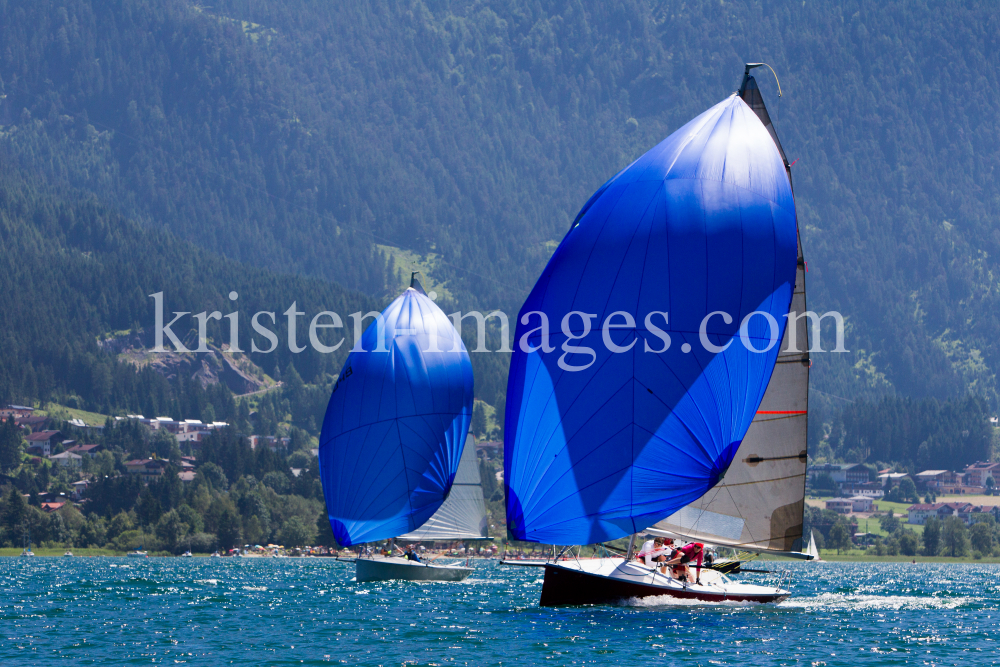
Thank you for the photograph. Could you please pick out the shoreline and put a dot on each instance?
(866, 558)
(827, 558)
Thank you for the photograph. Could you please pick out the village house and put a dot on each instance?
(848, 505)
(934, 480)
(31, 424)
(16, 411)
(976, 474)
(43, 442)
(967, 512)
(67, 460)
(86, 450)
(79, 487)
(165, 423)
(841, 473)
(840, 505)
(871, 490)
(861, 504)
(892, 479)
(918, 514)
(147, 469)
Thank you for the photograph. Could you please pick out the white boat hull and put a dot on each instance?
(387, 569)
(610, 580)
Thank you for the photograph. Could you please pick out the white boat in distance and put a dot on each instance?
(811, 550)
(385, 569)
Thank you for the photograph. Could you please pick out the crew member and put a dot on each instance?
(653, 551)
(685, 555)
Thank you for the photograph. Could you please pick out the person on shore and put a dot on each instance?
(685, 555)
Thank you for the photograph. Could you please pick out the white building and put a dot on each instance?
(67, 460)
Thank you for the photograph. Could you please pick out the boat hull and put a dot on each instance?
(583, 583)
(389, 569)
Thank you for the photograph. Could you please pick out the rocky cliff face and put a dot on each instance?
(237, 372)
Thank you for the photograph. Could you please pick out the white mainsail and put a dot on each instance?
(462, 516)
(758, 504)
(811, 550)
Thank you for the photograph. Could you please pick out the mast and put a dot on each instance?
(759, 503)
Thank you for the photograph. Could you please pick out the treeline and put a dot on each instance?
(912, 434)
(239, 495)
(949, 537)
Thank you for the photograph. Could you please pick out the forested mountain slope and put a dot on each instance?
(73, 271)
(297, 135)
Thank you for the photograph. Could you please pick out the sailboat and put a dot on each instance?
(462, 516)
(811, 550)
(394, 434)
(26, 547)
(679, 408)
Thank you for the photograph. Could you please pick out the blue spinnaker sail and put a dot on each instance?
(613, 429)
(396, 424)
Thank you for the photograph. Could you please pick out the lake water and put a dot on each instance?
(310, 611)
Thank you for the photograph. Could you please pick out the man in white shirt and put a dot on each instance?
(653, 551)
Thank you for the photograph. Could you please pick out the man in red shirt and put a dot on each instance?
(685, 555)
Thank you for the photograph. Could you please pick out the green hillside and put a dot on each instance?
(352, 142)
(74, 270)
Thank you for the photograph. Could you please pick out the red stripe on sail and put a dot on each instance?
(781, 412)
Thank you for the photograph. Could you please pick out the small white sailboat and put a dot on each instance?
(26, 549)
(811, 550)
(462, 516)
(138, 553)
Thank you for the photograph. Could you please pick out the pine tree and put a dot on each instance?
(10, 445)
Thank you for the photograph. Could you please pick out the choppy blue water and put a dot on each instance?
(310, 611)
